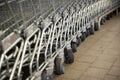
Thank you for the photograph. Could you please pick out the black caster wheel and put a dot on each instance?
(83, 37)
(92, 30)
(102, 22)
(87, 32)
(69, 57)
(59, 67)
(44, 76)
(74, 46)
(97, 27)
(78, 41)
(108, 17)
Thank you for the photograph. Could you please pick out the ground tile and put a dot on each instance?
(96, 72)
(115, 71)
(102, 64)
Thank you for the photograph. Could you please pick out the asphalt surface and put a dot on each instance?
(98, 57)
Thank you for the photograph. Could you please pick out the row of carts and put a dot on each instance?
(37, 37)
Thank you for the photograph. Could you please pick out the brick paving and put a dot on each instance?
(98, 57)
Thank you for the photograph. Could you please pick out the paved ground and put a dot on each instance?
(98, 58)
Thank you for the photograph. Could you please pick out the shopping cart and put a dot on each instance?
(12, 47)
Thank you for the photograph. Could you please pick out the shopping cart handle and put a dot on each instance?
(20, 32)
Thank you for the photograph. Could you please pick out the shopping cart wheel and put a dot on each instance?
(74, 46)
(111, 15)
(102, 21)
(44, 76)
(108, 17)
(83, 37)
(69, 57)
(92, 30)
(78, 41)
(59, 67)
(97, 27)
(87, 32)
